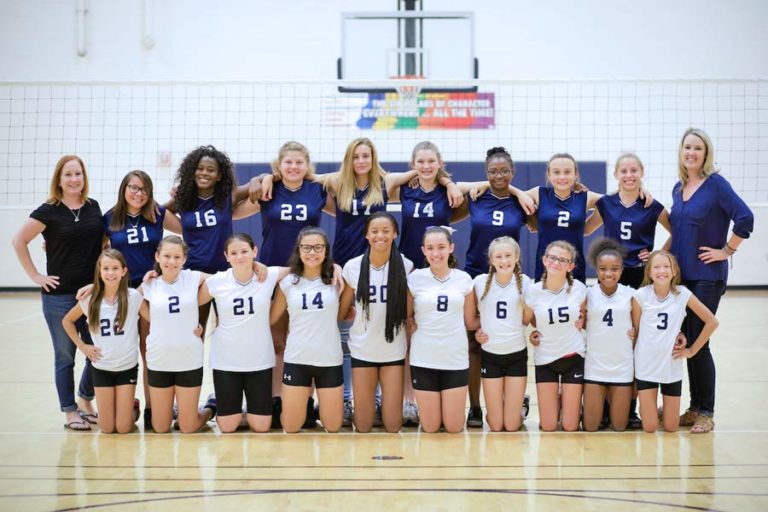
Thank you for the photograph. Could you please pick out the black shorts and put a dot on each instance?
(671, 389)
(431, 379)
(632, 277)
(566, 370)
(495, 366)
(359, 363)
(230, 386)
(186, 379)
(107, 379)
(603, 383)
(304, 374)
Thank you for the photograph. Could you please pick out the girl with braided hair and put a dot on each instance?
(553, 306)
(376, 284)
(504, 356)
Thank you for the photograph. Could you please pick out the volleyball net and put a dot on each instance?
(116, 127)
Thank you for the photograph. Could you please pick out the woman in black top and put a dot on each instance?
(73, 231)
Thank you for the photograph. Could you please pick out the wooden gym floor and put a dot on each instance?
(44, 467)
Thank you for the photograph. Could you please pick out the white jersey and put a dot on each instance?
(242, 342)
(172, 345)
(366, 336)
(440, 339)
(660, 324)
(501, 315)
(119, 347)
(556, 316)
(609, 349)
(313, 332)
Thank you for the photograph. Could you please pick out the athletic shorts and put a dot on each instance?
(671, 389)
(566, 370)
(359, 363)
(186, 379)
(108, 379)
(230, 386)
(632, 277)
(604, 383)
(303, 375)
(495, 366)
(431, 379)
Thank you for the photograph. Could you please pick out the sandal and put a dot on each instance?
(688, 418)
(77, 425)
(90, 417)
(703, 424)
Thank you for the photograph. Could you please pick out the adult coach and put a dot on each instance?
(703, 206)
(72, 228)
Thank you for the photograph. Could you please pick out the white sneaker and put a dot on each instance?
(410, 414)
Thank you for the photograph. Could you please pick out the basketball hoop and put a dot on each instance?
(408, 91)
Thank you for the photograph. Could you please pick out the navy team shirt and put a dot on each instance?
(285, 215)
(491, 217)
(137, 241)
(633, 226)
(206, 230)
(350, 241)
(421, 210)
(561, 219)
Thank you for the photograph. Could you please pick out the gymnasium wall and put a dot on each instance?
(594, 78)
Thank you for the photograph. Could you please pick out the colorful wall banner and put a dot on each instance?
(428, 110)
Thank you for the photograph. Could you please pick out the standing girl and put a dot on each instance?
(206, 196)
(658, 309)
(628, 220)
(242, 354)
(113, 320)
(174, 351)
(494, 213)
(71, 226)
(313, 348)
(554, 304)
(438, 302)
(135, 226)
(504, 356)
(703, 206)
(376, 283)
(608, 366)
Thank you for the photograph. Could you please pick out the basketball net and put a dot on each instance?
(408, 92)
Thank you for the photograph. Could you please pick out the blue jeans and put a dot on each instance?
(55, 308)
(701, 367)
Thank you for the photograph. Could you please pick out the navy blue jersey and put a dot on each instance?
(285, 215)
(633, 226)
(350, 239)
(138, 241)
(561, 219)
(421, 210)
(206, 230)
(491, 217)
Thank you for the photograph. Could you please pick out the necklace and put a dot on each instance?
(75, 215)
(138, 220)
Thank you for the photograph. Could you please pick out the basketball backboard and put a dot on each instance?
(381, 46)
